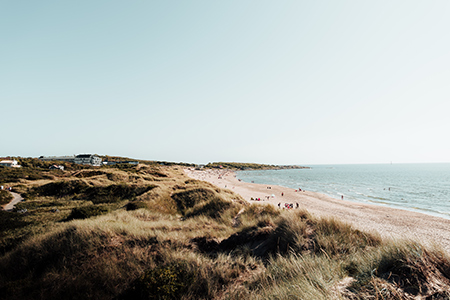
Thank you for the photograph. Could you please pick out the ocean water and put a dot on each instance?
(418, 187)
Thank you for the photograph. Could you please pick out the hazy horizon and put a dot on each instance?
(292, 82)
(218, 161)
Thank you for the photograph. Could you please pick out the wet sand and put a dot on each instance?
(387, 221)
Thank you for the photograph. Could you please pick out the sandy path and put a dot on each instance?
(17, 198)
(389, 222)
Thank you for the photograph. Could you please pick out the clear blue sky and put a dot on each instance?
(281, 82)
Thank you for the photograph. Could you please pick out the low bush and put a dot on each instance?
(169, 282)
(85, 212)
(59, 189)
(16, 174)
(189, 198)
(415, 270)
(136, 205)
(5, 197)
(97, 194)
(115, 192)
(212, 208)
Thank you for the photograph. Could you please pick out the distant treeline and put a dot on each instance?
(147, 162)
(250, 166)
(32, 162)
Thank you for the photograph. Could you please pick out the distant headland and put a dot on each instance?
(250, 166)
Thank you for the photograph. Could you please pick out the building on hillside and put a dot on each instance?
(88, 159)
(69, 158)
(10, 163)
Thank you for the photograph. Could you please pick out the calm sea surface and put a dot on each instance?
(419, 187)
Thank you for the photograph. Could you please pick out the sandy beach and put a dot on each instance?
(388, 222)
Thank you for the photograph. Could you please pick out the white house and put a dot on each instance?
(88, 159)
(10, 163)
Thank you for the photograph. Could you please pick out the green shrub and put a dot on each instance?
(85, 212)
(136, 205)
(10, 222)
(59, 189)
(15, 174)
(5, 197)
(212, 208)
(115, 192)
(162, 283)
(97, 194)
(189, 198)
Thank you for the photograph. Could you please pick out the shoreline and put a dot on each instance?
(388, 222)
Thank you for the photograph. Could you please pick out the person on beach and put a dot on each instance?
(342, 197)
(296, 205)
(282, 194)
(279, 204)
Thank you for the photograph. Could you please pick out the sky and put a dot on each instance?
(276, 82)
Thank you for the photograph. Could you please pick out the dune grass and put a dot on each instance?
(187, 239)
(5, 197)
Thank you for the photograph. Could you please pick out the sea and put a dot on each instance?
(422, 188)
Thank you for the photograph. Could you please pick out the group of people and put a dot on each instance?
(288, 205)
(259, 199)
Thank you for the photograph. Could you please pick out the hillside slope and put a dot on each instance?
(149, 232)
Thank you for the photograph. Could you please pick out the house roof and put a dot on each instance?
(7, 161)
(84, 155)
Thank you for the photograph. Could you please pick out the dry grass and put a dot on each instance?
(196, 241)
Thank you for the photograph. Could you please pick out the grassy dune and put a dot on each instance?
(149, 232)
(5, 197)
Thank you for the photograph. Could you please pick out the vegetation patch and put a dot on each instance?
(169, 282)
(192, 241)
(85, 212)
(88, 173)
(5, 197)
(115, 192)
(16, 174)
(136, 205)
(212, 208)
(97, 194)
(189, 198)
(59, 189)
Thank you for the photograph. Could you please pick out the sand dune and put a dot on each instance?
(389, 222)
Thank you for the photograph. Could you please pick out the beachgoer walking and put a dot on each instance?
(282, 194)
(342, 197)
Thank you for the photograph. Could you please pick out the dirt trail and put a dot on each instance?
(17, 198)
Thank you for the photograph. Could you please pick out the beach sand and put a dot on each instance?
(388, 222)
